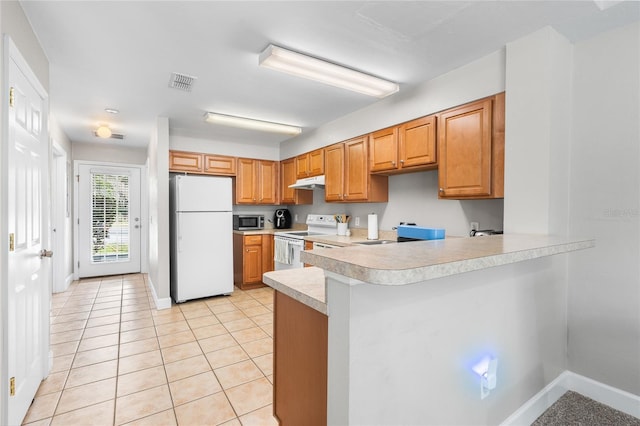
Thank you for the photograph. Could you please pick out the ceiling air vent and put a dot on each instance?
(181, 81)
(113, 136)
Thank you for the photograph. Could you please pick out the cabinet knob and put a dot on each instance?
(393, 163)
(401, 161)
(441, 190)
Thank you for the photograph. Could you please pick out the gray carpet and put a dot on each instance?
(575, 409)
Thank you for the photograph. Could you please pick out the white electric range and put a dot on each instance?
(289, 244)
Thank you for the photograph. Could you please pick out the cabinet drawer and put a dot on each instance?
(252, 240)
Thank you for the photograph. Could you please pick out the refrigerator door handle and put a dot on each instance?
(179, 234)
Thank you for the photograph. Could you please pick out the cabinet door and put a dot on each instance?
(287, 177)
(246, 181)
(418, 142)
(219, 165)
(465, 150)
(300, 351)
(383, 148)
(316, 162)
(185, 161)
(302, 166)
(267, 254)
(253, 264)
(334, 172)
(356, 181)
(267, 182)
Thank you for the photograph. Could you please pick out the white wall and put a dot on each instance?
(604, 285)
(250, 150)
(109, 152)
(538, 133)
(65, 225)
(158, 178)
(420, 372)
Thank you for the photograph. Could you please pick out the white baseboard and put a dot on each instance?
(164, 303)
(68, 281)
(605, 394)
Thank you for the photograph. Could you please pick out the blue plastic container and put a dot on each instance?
(420, 232)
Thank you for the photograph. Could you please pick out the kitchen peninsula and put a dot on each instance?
(404, 323)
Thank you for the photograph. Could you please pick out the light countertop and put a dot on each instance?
(411, 262)
(305, 285)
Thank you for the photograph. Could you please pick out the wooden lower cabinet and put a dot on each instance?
(300, 363)
(252, 257)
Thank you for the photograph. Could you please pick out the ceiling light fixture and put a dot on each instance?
(294, 63)
(112, 110)
(103, 132)
(250, 123)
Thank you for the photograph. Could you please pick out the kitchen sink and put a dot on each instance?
(375, 242)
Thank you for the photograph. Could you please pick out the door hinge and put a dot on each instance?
(12, 98)
(77, 178)
(12, 242)
(78, 264)
(12, 386)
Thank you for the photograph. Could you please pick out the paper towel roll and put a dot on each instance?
(372, 225)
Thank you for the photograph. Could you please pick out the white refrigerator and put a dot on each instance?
(201, 227)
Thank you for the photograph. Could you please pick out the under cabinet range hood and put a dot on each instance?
(314, 182)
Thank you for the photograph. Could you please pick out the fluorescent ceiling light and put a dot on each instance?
(249, 123)
(294, 63)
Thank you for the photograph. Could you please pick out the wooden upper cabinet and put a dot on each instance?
(408, 147)
(310, 164)
(219, 165)
(180, 161)
(334, 172)
(383, 147)
(347, 176)
(199, 163)
(356, 170)
(417, 143)
(288, 177)
(256, 181)
(471, 150)
(267, 182)
(246, 182)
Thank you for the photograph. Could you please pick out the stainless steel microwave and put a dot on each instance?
(248, 222)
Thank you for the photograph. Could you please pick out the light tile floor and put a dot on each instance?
(117, 360)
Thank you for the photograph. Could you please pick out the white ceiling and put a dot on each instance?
(121, 54)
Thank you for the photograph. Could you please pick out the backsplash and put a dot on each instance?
(413, 197)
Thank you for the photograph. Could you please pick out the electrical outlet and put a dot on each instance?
(295, 217)
(357, 221)
(475, 226)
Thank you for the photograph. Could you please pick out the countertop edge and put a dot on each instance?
(428, 272)
(281, 281)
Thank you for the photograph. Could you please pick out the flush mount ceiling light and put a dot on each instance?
(250, 123)
(103, 132)
(294, 63)
(112, 110)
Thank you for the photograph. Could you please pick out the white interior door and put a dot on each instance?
(26, 317)
(109, 222)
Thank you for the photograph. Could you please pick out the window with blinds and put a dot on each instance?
(109, 217)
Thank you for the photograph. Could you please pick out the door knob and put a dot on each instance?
(45, 253)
